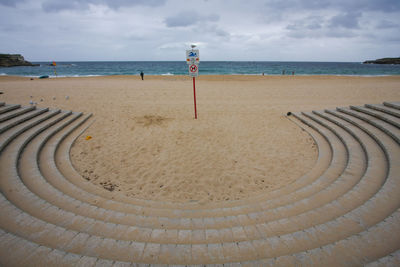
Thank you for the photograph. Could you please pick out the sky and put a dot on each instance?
(236, 30)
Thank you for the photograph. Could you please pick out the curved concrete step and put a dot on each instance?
(60, 184)
(322, 223)
(16, 251)
(8, 108)
(7, 136)
(395, 105)
(383, 125)
(391, 111)
(14, 113)
(391, 260)
(378, 114)
(70, 174)
(4, 126)
(51, 194)
(35, 180)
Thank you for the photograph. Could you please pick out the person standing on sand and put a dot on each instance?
(142, 75)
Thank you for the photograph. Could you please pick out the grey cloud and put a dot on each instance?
(322, 33)
(346, 20)
(221, 33)
(297, 4)
(340, 33)
(185, 19)
(309, 23)
(182, 20)
(213, 30)
(12, 28)
(54, 6)
(319, 27)
(386, 24)
(121, 3)
(10, 3)
(380, 5)
(60, 5)
(343, 5)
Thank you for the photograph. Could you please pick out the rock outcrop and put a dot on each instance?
(388, 60)
(9, 60)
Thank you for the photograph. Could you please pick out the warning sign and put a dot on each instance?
(193, 70)
(192, 56)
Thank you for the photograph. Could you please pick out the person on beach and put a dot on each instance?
(142, 75)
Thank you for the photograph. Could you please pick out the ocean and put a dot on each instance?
(104, 68)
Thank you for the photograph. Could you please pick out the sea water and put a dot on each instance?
(103, 68)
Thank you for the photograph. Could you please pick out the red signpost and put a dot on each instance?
(192, 59)
(194, 96)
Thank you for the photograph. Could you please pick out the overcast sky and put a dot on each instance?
(263, 30)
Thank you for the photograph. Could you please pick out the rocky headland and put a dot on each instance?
(387, 60)
(13, 60)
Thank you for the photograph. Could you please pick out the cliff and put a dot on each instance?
(388, 60)
(8, 60)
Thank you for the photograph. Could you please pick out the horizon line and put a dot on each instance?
(311, 61)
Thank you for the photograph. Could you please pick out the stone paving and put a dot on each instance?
(344, 212)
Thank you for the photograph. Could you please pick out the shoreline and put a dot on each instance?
(150, 76)
(184, 75)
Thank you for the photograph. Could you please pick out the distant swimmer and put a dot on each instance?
(142, 75)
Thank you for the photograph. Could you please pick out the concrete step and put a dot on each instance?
(61, 185)
(41, 205)
(15, 113)
(383, 125)
(16, 251)
(4, 126)
(76, 179)
(8, 108)
(391, 111)
(391, 260)
(13, 132)
(333, 218)
(378, 114)
(119, 215)
(395, 105)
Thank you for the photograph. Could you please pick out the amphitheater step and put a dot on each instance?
(335, 215)
(15, 113)
(4, 126)
(388, 128)
(7, 108)
(12, 130)
(395, 105)
(391, 260)
(385, 109)
(379, 115)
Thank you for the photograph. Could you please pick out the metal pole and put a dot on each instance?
(194, 95)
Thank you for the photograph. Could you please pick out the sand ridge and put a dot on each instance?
(146, 144)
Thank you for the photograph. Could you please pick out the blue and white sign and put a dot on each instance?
(192, 56)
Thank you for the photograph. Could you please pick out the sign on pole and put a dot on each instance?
(192, 56)
(193, 70)
(193, 59)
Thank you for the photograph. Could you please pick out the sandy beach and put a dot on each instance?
(146, 144)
